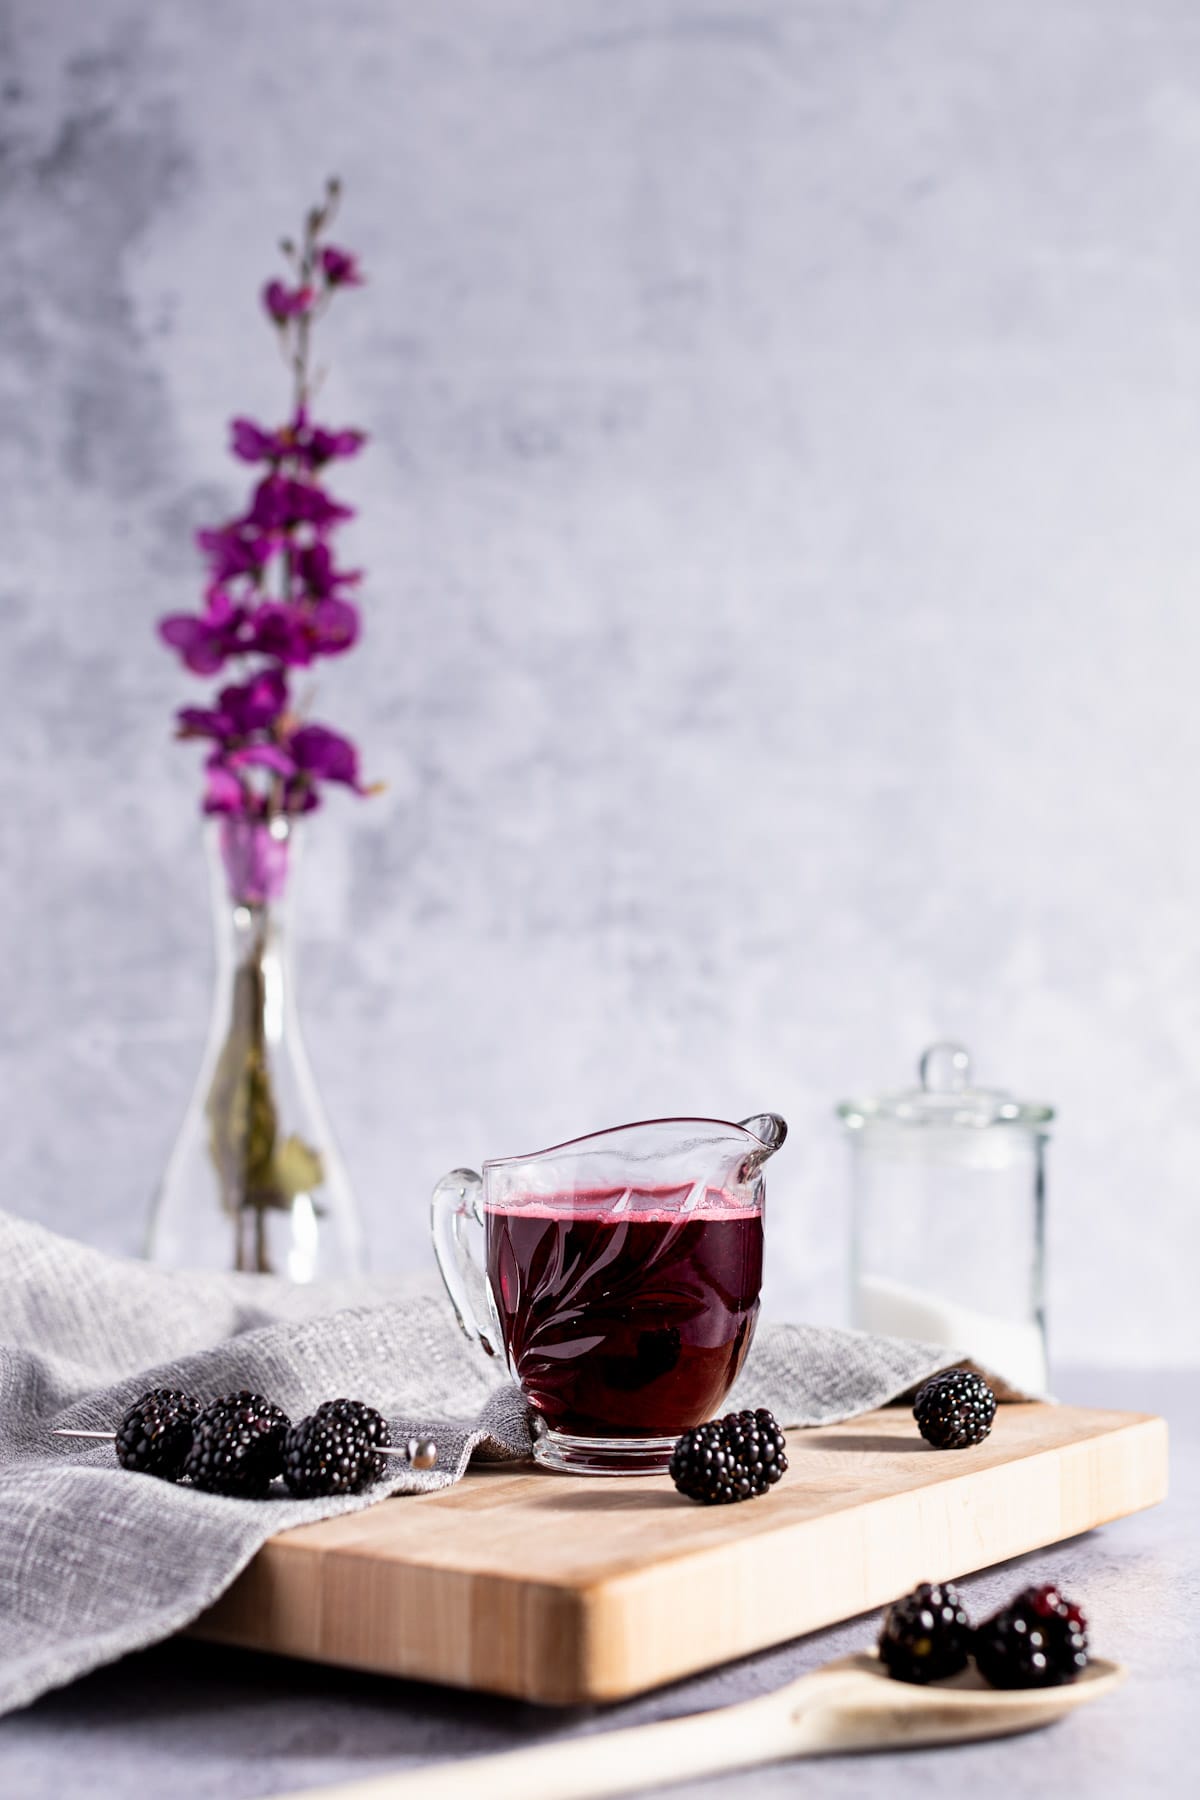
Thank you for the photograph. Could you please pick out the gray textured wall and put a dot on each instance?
(784, 559)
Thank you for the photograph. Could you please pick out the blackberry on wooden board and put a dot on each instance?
(735, 1458)
(954, 1410)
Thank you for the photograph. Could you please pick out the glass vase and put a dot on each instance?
(254, 1181)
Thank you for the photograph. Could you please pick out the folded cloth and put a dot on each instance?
(96, 1562)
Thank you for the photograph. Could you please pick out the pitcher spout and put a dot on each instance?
(770, 1130)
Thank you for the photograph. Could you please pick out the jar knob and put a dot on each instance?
(945, 1069)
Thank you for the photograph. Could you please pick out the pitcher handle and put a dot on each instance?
(456, 1218)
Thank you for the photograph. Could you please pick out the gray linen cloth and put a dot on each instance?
(96, 1562)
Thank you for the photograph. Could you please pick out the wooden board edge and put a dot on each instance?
(561, 1645)
(495, 1635)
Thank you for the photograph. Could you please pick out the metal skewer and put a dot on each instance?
(420, 1453)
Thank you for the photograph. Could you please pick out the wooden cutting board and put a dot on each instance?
(566, 1589)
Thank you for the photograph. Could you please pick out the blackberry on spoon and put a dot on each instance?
(927, 1635)
(1038, 1640)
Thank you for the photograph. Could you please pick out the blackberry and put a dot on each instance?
(734, 1458)
(335, 1450)
(237, 1446)
(927, 1635)
(358, 1413)
(955, 1410)
(1037, 1640)
(155, 1435)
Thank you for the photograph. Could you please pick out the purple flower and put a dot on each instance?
(323, 446)
(202, 644)
(258, 703)
(231, 552)
(275, 597)
(325, 755)
(312, 446)
(295, 634)
(271, 510)
(281, 503)
(253, 444)
(333, 627)
(284, 303)
(278, 630)
(340, 267)
(317, 508)
(240, 711)
(223, 792)
(201, 722)
(315, 569)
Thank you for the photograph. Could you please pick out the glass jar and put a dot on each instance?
(949, 1218)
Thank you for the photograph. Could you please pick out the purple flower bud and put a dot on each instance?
(284, 303)
(340, 267)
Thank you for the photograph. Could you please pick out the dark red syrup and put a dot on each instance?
(627, 1320)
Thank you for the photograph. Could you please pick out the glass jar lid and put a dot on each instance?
(946, 1097)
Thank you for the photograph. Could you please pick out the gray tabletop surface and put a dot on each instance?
(191, 1720)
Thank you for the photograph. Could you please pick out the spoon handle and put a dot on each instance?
(611, 1762)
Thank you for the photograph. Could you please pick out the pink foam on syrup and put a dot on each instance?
(651, 1206)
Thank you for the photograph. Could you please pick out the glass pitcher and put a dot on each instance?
(618, 1277)
(949, 1217)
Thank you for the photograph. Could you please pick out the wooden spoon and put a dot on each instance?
(846, 1706)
